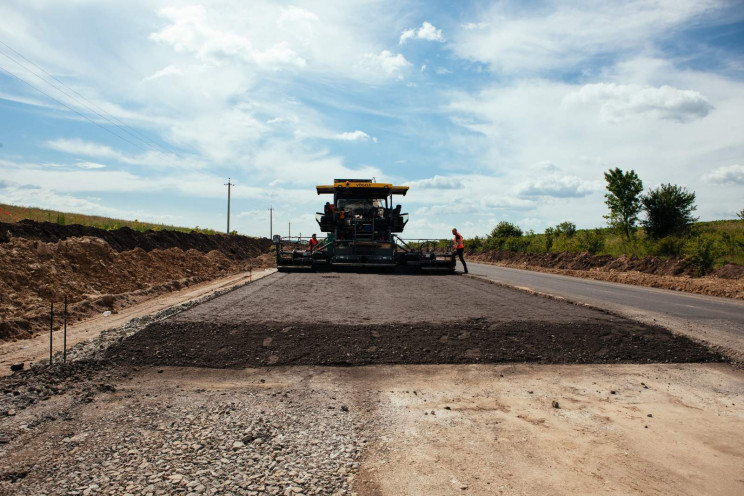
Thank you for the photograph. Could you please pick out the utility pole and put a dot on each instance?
(228, 184)
(289, 232)
(271, 222)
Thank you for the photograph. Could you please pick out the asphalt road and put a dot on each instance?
(719, 321)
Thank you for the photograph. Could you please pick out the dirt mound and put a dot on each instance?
(95, 278)
(202, 344)
(124, 239)
(677, 274)
(585, 261)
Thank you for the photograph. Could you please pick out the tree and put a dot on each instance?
(506, 229)
(740, 214)
(623, 199)
(668, 210)
(566, 228)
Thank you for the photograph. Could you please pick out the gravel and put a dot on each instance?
(266, 442)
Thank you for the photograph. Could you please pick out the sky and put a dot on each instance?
(488, 110)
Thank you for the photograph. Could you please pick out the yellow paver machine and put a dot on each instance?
(363, 227)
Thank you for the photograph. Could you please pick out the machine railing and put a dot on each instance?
(424, 245)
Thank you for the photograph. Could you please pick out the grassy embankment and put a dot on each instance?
(11, 213)
(708, 244)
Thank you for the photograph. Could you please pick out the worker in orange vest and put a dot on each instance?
(312, 243)
(460, 247)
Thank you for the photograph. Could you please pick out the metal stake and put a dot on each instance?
(51, 329)
(271, 222)
(229, 185)
(64, 334)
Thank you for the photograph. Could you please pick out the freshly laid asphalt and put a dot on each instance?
(705, 317)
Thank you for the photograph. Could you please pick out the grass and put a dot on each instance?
(707, 244)
(12, 213)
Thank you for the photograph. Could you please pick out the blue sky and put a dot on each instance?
(489, 110)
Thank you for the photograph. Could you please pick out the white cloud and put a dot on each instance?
(166, 71)
(355, 136)
(78, 146)
(559, 186)
(90, 165)
(437, 182)
(427, 31)
(190, 31)
(384, 64)
(155, 159)
(729, 174)
(559, 35)
(621, 102)
(507, 128)
(475, 25)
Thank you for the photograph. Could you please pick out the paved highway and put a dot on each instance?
(717, 320)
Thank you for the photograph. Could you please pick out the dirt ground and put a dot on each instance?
(674, 429)
(96, 278)
(676, 274)
(181, 407)
(34, 349)
(408, 430)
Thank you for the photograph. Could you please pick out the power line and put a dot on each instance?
(70, 108)
(90, 106)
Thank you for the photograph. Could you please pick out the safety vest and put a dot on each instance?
(313, 243)
(459, 241)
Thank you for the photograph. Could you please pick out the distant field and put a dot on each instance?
(12, 213)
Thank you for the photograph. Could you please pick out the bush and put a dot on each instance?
(704, 254)
(668, 210)
(670, 246)
(591, 241)
(476, 243)
(516, 244)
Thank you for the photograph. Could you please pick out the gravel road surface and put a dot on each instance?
(362, 319)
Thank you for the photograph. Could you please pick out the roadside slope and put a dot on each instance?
(105, 271)
(675, 274)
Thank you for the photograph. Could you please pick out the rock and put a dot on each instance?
(649, 415)
(11, 413)
(17, 366)
(613, 392)
(555, 404)
(238, 445)
(344, 408)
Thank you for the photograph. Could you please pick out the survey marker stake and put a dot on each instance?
(64, 334)
(51, 329)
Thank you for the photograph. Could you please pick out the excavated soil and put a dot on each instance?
(675, 266)
(125, 239)
(97, 276)
(361, 319)
(677, 274)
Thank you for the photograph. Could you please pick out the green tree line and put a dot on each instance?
(667, 228)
